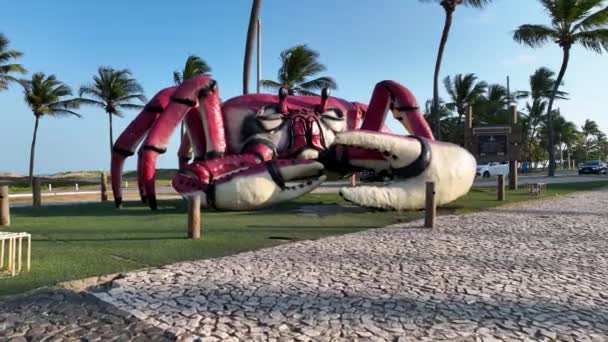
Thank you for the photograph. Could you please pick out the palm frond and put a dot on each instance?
(300, 91)
(7, 68)
(476, 3)
(270, 84)
(132, 106)
(46, 95)
(534, 35)
(298, 64)
(596, 40)
(594, 21)
(113, 89)
(92, 102)
(319, 83)
(177, 77)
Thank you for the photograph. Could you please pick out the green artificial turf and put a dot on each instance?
(84, 240)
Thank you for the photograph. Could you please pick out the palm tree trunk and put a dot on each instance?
(444, 39)
(111, 138)
(33, 149)
(253, 20)
(561, 155)
(558, 81)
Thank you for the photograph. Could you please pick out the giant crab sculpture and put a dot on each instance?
(256, 150)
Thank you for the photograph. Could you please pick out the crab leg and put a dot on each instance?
(390, 95)
(184, 154)
(201, 92)
(127, 142)
(194, 130)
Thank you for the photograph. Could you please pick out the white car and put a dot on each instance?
(493, 169)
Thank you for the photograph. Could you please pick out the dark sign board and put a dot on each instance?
(493, 145)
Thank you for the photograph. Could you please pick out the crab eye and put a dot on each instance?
(333, 114)
(333, 118)
(270, 119)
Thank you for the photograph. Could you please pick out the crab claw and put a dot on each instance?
(412, 161)
(254, 186)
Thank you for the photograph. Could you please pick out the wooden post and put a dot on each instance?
(5, 212)
(104, 187)
(468, 129)
(430, 208)
(353, 180)
(194, 217)
(2, 254)
(513, 163)
(50, 188)
(29, 251)
(19, 254)
(36, 196)
(468, 117)
(500, 187)
(11, 255)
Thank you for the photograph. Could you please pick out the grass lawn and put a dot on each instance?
(79, 241)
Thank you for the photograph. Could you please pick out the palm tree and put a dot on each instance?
(569, 136)
(542, 82)
(491, 107)
(6, 68)
(194, 66)
(589, 129)
(253, 19)
(46, 95)
(449, 7)
(113, 90)
(464, 90)
(564, 132)
(298, 64)
(447, 121)
(572, 22)
(601, 145)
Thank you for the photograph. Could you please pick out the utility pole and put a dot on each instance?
(259, 78)
(509, 91)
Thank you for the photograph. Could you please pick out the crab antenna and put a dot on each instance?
(324, 97)
(283, 92)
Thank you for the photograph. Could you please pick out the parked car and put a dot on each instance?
(371, 176)
(593, 166)
(493, 169)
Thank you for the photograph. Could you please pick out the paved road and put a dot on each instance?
(327, 187)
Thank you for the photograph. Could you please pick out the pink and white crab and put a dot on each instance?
(256, 150)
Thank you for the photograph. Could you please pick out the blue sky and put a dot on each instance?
(361, 42)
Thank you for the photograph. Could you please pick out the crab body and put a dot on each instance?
(256, 150)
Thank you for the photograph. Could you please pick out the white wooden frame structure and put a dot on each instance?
(14, 248)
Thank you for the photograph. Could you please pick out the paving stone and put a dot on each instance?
(528, 272)
(60, 315)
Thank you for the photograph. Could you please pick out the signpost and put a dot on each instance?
(496, 143)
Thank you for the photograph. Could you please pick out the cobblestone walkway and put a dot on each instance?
(533, 272)
(61, 315)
